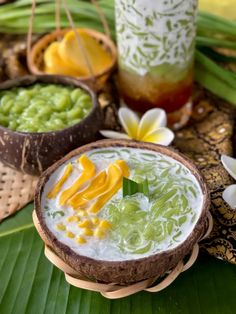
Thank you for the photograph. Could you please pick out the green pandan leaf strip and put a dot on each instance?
(106, 151)
(163, 199)
(175, 201)
(193, 218)
(131, 187)
(58, 213)
(144, 188)
(170, 213)
(144, 249)
(182, 220)
(184, 201)
(169, 227)
(191, 189)
(165, 173)
(176, 236)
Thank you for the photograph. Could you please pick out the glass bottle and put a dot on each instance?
(156, 42)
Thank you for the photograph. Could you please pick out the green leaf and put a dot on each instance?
(143, 188)
(29, 283)
(215, 84)
(131, 187)
(22, 222)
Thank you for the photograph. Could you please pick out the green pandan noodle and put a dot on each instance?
(137, 230)
(127, 220)
(140, 222)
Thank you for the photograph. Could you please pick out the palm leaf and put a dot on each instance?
(30, 284)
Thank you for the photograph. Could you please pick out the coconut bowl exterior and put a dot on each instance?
(130, 271)
(32, 153)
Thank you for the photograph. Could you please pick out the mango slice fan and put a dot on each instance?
(74, 52)
(67, 56)
(87, 195)
(99, 187)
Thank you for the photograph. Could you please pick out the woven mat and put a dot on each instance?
(208, 136)
(16, 190)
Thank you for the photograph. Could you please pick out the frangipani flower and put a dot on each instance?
(150, 128)
(229, 194)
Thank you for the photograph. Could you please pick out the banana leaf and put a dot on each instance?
(29, 283)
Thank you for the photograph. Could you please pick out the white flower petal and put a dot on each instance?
(113, 134)
(229, 195)
(152, 120)
(163, 136)
(229, 164)
(130, 121)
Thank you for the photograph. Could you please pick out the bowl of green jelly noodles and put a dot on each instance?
(42, 118)
(150, 233)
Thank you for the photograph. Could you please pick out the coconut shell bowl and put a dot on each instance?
(107, 272)
(98, 80)
(32, 152)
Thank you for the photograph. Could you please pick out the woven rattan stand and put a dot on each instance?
(114, 291)
(16, 190)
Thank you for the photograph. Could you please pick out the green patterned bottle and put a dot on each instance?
(156, 42)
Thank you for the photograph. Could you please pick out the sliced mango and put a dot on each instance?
(77, 200)
(89, 171)
(123, 167)
(112, 173)
(114, 183)
(104, 198)
(57, 187)
(55, 65)
(72, 54)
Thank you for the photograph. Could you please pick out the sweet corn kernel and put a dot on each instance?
(95, 220)
(60, 227)
(105, 224)
(99, 233)
(73, 219)
(81, 240)
(88, 232)
(82, 212)
(70, 234)
(84, 224)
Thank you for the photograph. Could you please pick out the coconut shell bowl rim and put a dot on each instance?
(29, 80)
(193, 237)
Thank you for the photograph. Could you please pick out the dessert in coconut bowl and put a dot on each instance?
(121, 211)
(42, 118)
